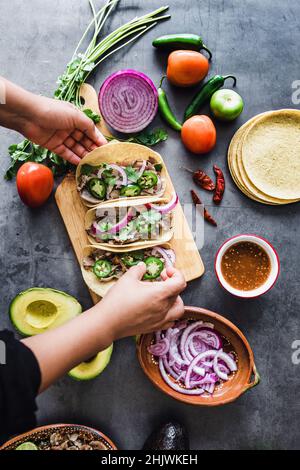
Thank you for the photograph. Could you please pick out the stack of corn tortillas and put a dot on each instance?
(264, 157)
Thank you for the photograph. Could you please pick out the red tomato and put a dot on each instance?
(35, 183)
(199, 134)
(186, 68)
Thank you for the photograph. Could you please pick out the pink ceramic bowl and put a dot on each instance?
(269, 249)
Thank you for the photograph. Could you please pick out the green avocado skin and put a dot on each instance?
(170, 436)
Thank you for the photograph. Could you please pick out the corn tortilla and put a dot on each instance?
(271, 154)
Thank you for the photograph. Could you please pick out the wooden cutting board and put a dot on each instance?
(73, 211)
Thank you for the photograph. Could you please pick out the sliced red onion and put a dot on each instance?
(116, 228)
(128, 101)
(172, 255)
(158, 336)
(174, 386)
(197, 346)
(210, 337)
(230, 363)
(160, 349)
(209, 388)
(167, 207)
(169, 369)
(185, 335)
(199, 371)
(217, 368)
(142, 169)
(195, 362)
(174, 355)
(117, 168)
(165, 255)
(95, 229)
(159, 186)
(209, 379)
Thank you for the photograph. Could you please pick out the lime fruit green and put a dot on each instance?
(27, 446)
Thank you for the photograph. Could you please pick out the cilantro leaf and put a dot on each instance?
(150, 138)
(132, 174)
(93, 116)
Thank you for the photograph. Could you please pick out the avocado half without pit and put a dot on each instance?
(38, 310)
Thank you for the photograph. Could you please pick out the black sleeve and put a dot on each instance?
(20, 379)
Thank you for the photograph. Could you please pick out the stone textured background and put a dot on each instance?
(259, 42)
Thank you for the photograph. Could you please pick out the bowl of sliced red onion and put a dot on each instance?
(203, 359)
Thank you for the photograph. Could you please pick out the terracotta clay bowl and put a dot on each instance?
(240, 382)
(43, 432)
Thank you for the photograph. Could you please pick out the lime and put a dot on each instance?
(27, 446)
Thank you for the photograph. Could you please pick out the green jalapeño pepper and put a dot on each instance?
(131, 190)
(205, 93)
(181, 41)
(97, 188)
(102, 268)
(154, 266)
(132, 258)
(165, 110)
(148, 180)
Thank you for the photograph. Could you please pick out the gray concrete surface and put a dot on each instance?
(259, 42)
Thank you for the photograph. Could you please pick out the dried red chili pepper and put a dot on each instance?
(220, 185)
(207, 216)
(202, 179)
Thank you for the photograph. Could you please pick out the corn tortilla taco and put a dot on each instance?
(118, 170)
(131, 222)
(101, 268)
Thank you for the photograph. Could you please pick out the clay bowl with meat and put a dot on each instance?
(63, 437)
(243, 379)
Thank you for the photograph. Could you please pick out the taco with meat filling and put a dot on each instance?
(120, 170)
(131, 223)
(101, 268)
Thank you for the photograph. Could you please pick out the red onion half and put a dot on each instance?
(128, 101)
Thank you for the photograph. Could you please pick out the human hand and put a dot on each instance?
(134, 306)
(60, 127)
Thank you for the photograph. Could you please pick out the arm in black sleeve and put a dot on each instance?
(20, 380)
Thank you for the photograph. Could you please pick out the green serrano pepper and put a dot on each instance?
(154, 266)
(205, 93)
(165, 109)
(181, 41)
(148, 180)
(102, 268)
(131, 190)
(97, 188)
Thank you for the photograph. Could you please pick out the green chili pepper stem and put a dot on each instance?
(162, 80)
(207, 50)
(230, 76)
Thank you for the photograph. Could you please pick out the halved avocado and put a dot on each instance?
(91, 369)
(36, 310)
